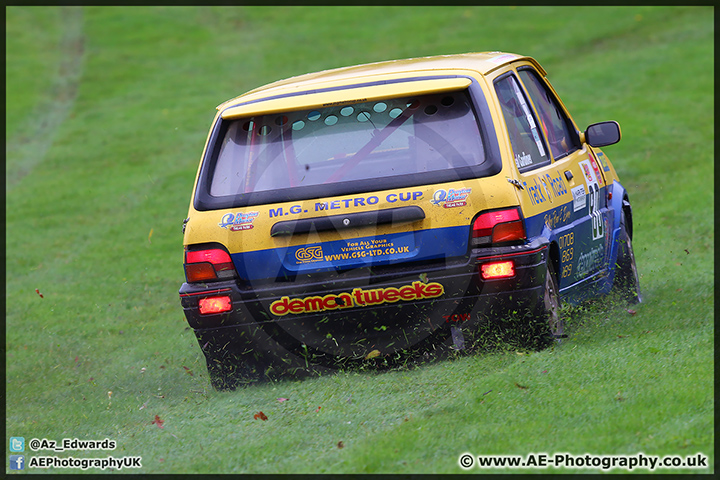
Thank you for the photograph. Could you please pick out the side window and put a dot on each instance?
(553, 120)
(527, 144)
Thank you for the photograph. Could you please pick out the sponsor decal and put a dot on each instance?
(238, 221)
(603, 161)
(557, 184)
(589, 173)
(540, 192)
(595, 168)
(535, 192)
(589, 262)
(351, 250)
(309, 254)
(579, 198)
(345, 102)
(523, 160)
(357, 298)
(351, 203)
(558, 216)
(451, 198)
(376, 247)
(458, 317)
(545, 187)
(279, 211)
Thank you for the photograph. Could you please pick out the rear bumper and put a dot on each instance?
(349, 314)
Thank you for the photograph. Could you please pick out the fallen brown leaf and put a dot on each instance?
(158, 421)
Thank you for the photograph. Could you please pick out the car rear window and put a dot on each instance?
(407, 139)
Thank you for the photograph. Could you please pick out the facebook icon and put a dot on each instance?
(17, 462)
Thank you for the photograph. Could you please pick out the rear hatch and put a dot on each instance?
(375, 173)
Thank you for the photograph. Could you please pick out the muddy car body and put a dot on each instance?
(397, 208)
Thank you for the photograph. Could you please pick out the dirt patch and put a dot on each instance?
(26, 151)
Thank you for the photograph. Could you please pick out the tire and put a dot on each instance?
(551, 300)
(544, 325)
(627, 280)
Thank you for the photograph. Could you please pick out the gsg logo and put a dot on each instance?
(309, 254)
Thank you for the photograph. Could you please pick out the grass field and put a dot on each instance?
(107, 112)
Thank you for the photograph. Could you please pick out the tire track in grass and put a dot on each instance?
(27, 150)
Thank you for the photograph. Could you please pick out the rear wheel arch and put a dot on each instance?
(627, 210)
(554, 258)
(626, 280)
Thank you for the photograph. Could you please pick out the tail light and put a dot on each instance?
(499, 226)
(208, 265)
(490, 271)
(211, 305)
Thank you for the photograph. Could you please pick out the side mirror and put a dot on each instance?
(602, 134)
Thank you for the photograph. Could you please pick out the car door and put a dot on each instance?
(564, 195)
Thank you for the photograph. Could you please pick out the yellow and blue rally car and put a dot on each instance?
(397, 208)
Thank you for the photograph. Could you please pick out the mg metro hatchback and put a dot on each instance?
(394, 209)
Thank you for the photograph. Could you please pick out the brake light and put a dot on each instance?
(211, 305)
(214, 256)
(498, 226)
(490, 271)
(208, 264)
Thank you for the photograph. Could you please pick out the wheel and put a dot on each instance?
(627, 280)
(544, 324)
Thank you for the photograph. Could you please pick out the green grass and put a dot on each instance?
(107, 111)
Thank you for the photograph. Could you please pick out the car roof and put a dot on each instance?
(481, 62)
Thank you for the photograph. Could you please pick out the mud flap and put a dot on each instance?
(457, 337)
